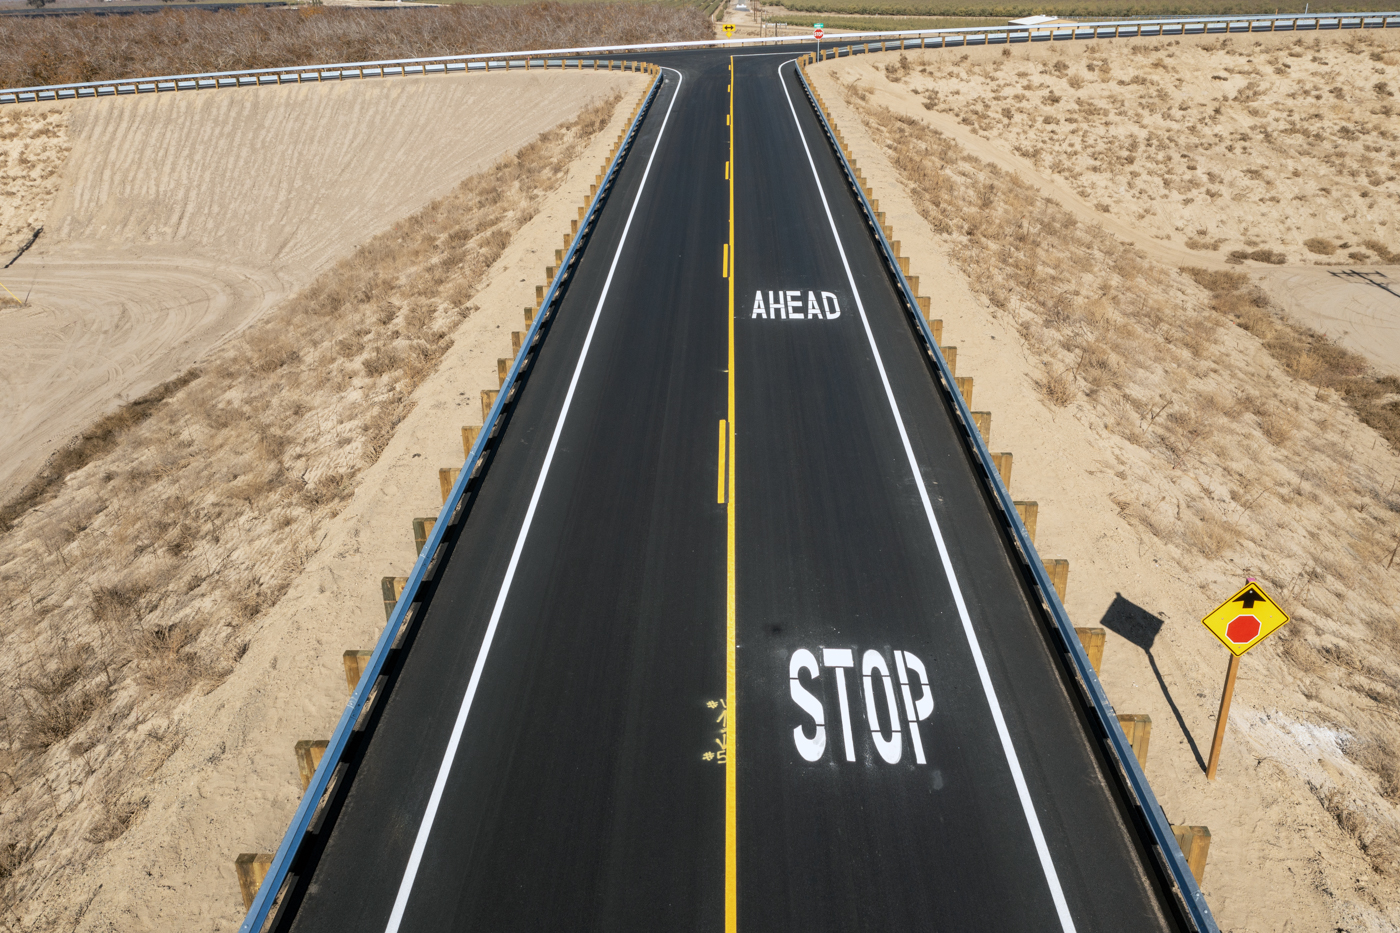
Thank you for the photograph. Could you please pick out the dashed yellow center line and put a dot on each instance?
(731, 772)
(723, 443)
(724, 268)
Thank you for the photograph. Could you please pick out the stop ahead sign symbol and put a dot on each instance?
(1242, 630)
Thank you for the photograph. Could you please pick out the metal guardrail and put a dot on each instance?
(572, 57)
(1135, 779)
(324, 784)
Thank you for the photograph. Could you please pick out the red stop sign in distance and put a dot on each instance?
(1242, 629)
(818, 33)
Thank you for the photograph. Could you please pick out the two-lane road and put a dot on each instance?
(730, 638)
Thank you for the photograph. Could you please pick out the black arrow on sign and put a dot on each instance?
(1249, 597)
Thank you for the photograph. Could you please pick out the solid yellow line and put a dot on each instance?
(723, 437)
(11, 294)
(731, 742)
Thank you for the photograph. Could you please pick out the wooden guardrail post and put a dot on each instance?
(1002, 462)
(488, 398)
(355, 664)
(469, 434)
(936, 326)
(309, 753)
(1138, 729)
(251, 868)
(1195, 845)
(447, 478)
(950, 356)
(1091, 639)
(391, 588)
(964, 384)
(422, 528)
(502, 369)
(983, 422)
(1029, 512)
(1058, 569)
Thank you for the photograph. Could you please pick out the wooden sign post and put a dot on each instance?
(1241, 622)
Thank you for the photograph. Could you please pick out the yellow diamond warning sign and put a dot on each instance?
(1245, 619)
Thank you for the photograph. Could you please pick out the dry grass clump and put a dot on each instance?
(1219, 420)
(131, 576)
(60, 50)
(1251, 147)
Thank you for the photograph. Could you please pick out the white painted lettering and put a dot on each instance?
(810, 749)
(833, 308)
(840, 659)
(923, 708)
(794, 306)
(812, 310)
(776, 306)
(890, 749)
(758, 309)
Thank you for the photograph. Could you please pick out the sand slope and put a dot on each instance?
(180, 218)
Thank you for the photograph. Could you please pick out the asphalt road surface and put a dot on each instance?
(730, 638)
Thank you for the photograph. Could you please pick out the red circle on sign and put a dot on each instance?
(1242, 630)
(818, 34)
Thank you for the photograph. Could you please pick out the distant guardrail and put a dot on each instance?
(574, 57)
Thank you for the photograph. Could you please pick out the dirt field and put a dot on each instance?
(1280, 149)
(181, 218)
(1173, 453)
(178, 611)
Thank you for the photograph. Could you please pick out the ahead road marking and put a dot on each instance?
(415, 858)
(1022, 791)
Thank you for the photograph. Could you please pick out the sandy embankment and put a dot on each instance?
(193, 590)
(1162, 520)
(179, 218)
(1195, 148)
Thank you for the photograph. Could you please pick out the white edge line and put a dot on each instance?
(1022, 791)
(426, 826)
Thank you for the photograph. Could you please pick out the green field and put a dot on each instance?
(1081, 9)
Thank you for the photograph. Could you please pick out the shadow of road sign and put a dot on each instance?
(1135, 624)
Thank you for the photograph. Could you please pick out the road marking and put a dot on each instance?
(426, 826)
(723, 428)
(1047, 865)
(731, 768)
(724, 269)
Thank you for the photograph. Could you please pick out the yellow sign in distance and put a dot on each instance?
(1245, 619)
(729, 30)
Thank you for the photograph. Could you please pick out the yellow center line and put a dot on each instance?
(723, 437)
(731, 772)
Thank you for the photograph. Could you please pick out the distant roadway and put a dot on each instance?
(730, 638)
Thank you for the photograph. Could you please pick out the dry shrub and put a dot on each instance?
(165, 529)
(1272, 257)
(1056, 389)
(63, 49)
(1320, 246)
